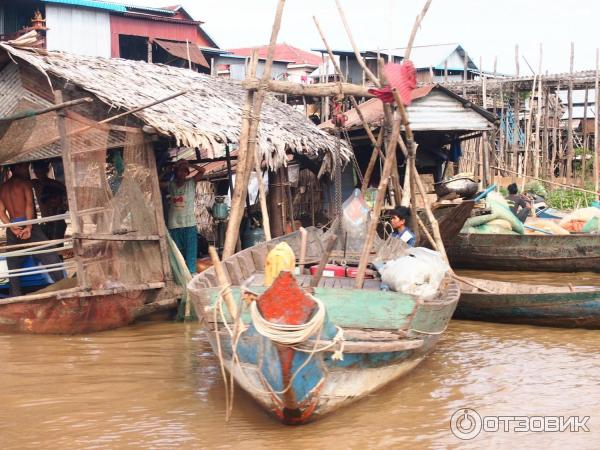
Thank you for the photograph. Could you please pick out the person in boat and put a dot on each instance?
(16, 205)
(398, 221)
(52, 199)
(519, 204)
(181, 220)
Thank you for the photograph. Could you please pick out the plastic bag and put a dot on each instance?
(355, 218)
(592, 225)
(582, 215)
(420, 272)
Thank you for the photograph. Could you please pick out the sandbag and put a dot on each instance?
(502, 223)
(479, 220)
(501, 210)
(592, 225)
(420, 272)
(582, 214)
(546, 225)
(489, 229)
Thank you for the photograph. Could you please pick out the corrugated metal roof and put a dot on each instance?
(90, 4)
(110, 6)
(434, 108)
(426, 56)
(181, 49)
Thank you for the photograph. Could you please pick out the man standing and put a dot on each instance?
(182, 215)
(51, 196)
(399, 217)
(16, 205)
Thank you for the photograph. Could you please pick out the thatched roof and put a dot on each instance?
(209, 116)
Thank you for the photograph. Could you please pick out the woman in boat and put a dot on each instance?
(398, 221)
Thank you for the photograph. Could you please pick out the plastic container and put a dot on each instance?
(355, 218)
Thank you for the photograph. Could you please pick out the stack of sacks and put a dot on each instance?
(578, 219)
(500, 221)
(548, 225)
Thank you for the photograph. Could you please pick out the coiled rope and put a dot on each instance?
(287, 335)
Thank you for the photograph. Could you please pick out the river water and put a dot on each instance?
(157, 385)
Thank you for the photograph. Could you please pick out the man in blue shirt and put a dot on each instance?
(399, 217)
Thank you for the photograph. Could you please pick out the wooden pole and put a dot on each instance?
(597, 128)
(310, 90)
(223, 282)
(37, 112)
(359, 57)
(538, 118)
(376, 211)
(585, 137)
(264, 210)
(70, 185)
(372, 161)
(247, 150)
(528, 131)
(484, 137)
(546, 137)
(569, 171)
(517, 60)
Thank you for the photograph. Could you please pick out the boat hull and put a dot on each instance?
(335, 383)
(566, 309)
(570, 253)
(77, 315)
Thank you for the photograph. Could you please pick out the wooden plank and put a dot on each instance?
(353, 308)
(69, 173)
(117, 237)
(367, 346)
(233, 270)
(258, 255)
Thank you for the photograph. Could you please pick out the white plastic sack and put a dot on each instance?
(420, 272)
(355, 218)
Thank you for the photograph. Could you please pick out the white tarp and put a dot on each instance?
(78, 30)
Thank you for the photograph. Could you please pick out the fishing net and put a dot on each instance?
(117, 223)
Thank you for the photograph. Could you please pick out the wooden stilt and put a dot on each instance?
(247, 150)
(569, 171)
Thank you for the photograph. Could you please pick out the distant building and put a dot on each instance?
(166, 35)
(433, 63)
(299, 63)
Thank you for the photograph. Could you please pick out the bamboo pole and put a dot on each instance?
(546, 136)
(309, 90)
(528, 130)
(372, 161)
(569, 171)
(247, 150)
(538, 118)
(264, 210)
(37, 112)
(223, 282)
(517, 60)
(516, 133)
(585, 137)
(597, 128)
(359, 58)
(376, 211)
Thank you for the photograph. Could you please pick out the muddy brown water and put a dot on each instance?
(157, 385)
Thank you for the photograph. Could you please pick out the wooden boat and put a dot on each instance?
(73, 311)
(556, 306)
(385, 334)
(540, 253)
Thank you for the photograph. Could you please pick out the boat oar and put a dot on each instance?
(314, 282)
(470, 283)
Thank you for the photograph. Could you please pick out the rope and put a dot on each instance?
(287, 335)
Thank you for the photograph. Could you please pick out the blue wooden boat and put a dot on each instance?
(555, 306)
(367, 338)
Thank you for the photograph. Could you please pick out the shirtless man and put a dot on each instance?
(16, 205)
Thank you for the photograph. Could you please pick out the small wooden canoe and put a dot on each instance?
(539, 253)
(555, 306)
(385, 334)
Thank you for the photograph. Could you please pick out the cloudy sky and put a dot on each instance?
(486, 28)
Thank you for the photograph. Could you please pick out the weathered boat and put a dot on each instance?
(385, 334)
(555, 306)
(540, 253)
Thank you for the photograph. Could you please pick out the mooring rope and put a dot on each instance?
(287, 335)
